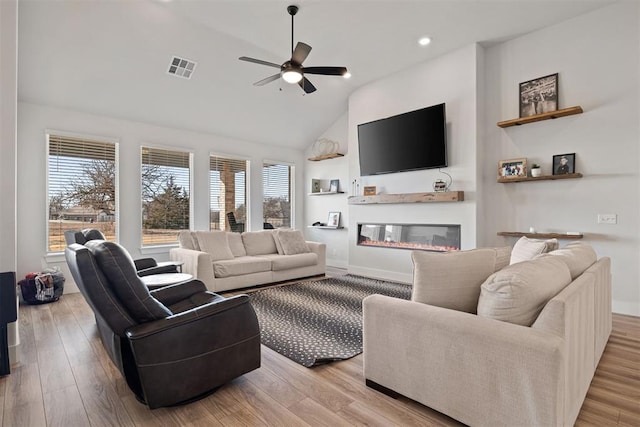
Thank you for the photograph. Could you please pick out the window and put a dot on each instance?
(81, 188)
(228, 196)
(166, 190)
(276, 205)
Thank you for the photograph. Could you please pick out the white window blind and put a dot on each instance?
(227, 183)
(276, 184)
(166, 190)
(81, 187)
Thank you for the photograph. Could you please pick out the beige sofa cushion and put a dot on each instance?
(577, 255)
(453, 279)
(287, 262)
(187, 240)
(235, 244)
(517, 293)
(526, 248)
(259, 242)
(240, 265)
(214, 243)
(292, 242)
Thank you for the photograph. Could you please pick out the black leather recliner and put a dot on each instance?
(172, 345)
(144, 266)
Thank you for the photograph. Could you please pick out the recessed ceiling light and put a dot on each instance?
(347, 75)
(424, 41)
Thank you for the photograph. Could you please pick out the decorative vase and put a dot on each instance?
(536, 172)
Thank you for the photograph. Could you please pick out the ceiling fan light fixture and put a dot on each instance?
(424, 41)
(292, 76)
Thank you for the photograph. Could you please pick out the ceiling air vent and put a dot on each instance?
(181, 67)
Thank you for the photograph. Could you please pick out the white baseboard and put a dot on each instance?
(337, 263)
(380, 274)
(625, 307)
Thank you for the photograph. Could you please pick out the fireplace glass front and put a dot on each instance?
(426, 237)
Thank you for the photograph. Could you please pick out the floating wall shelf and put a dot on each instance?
(433, 197)
(325, 157)
(504, 180)
(539, 117)
(541, 235)
(324, 193)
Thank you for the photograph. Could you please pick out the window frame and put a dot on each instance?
(148, 248)
(89, 138)
(292, 188)
(247, 185)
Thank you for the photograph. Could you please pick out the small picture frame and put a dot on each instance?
(539, 95)
(334, 219)
(369, 190)
(564, 164)
(512, 168)
(315, 186)
(334, 186)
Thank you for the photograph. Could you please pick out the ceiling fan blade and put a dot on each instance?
(258, 61)
(306, 85)
(327, 71)
(267, 80)
(300, 53)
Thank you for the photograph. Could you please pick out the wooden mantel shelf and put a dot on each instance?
(540, 235)
(325, 157)
(539, 117)
(505, 180)
(433, 197)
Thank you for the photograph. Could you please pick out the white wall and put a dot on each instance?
(451, 79)
(597, 58)
(8, 114)
(34, 120)
(317, 208)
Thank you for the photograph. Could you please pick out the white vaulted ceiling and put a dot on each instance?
(110, 57)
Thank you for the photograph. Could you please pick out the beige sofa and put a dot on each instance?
(518, 348)
(226, 260)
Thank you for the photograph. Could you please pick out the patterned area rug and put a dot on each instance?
(318, 321)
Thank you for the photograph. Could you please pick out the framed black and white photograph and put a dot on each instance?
(564, 164)
(334, 186)
(539, 95)
(512, 168)
(334, 219)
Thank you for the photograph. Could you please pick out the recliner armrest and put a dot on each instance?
(144, 263)
(189, 318)
(171, 294)
(158, 269)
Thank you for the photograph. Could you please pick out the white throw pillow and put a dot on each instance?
(453, 279)
(518, 293)
(259, 242)
(526, 249)
(577, 255)
(214, 243)
(186, 240)
(293, 242)
(235, 244)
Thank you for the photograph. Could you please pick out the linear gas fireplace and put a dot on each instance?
(426, 237)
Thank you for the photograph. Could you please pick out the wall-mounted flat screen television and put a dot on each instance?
(409, 141)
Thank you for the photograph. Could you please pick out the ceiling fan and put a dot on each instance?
(292, 70)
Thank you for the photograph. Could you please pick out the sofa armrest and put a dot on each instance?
(478, 370)
(319, 249)
(198, 264)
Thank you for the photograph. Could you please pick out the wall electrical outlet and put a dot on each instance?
(607, 219)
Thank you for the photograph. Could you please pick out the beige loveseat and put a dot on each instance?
(517, 348)
(226, 260)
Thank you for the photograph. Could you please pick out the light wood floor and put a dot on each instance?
(66, 379)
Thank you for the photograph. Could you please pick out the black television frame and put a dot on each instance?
(396, 118)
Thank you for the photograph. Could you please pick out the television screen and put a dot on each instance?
(409, 141)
